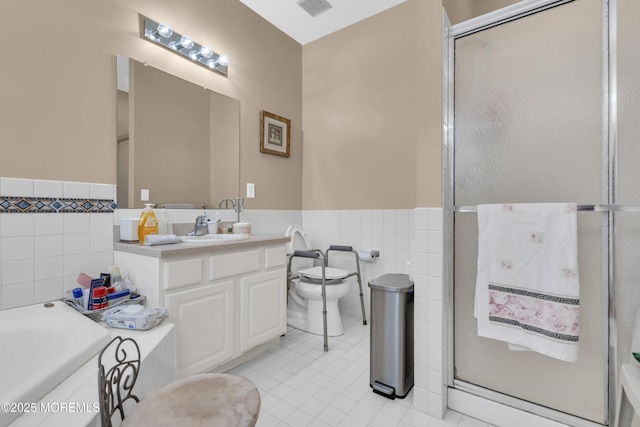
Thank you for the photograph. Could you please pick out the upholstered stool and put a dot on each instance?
(220, 400)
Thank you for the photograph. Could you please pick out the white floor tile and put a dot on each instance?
(317, 423)
(302, 385)
(384, 420)
(299, 418)
(313, 407)
(267, 420)
(282, 410)
(466, 421)
(332, 416)
(363, 412)
(350, 421)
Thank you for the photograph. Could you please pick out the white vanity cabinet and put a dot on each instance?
(226, 301)
(204, 326)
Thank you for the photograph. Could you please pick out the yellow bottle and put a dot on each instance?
(147, 224)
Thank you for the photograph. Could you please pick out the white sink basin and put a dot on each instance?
(213, 238)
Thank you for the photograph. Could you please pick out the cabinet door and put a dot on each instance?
(204, 327)
(263, 308)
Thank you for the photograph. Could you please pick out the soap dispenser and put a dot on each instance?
(148, 223)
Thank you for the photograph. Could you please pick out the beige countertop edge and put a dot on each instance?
(182, 249)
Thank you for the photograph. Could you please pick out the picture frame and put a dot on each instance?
(275, 134)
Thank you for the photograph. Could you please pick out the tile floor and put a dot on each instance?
(301, 385)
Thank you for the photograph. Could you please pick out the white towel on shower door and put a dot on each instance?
(527, 288)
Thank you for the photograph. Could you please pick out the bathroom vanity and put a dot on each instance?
(227, 300)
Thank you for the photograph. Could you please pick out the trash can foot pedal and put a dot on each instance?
(383, 390)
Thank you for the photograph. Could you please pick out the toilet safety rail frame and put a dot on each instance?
(356, 273)
(313, 254)
(324, 260)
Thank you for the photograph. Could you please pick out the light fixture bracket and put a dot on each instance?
(175, 42)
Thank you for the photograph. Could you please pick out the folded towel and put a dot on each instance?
(527, 288)
(160, 239)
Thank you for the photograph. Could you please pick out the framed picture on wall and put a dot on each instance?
(275, 134)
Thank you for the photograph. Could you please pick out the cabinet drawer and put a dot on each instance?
(182, 273)
(233, 264)
(275, 257)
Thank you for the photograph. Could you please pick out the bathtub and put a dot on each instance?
(41, 346)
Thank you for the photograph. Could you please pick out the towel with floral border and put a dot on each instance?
(527, 287)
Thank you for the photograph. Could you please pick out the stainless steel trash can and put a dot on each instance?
(391, 364)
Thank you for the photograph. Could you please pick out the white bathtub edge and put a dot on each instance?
(73, 400)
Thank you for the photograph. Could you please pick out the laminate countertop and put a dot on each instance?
(184, 249)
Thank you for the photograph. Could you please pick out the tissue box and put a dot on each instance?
(129, 229)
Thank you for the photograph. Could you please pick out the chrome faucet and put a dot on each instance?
(236, 203)
(201, 227)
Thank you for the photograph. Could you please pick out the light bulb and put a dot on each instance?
(186, 42)
(174, 45)
(211, 63)
(223, 60)
(206, 52)
(150, 34)
(193, 55)
(164, 30)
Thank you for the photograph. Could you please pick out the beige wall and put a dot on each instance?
(428, 156)
(371, 102)
(58, 109)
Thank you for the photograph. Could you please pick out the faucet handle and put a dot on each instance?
(226, 202)
(237, 204)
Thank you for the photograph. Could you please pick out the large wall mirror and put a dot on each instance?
(176, 139)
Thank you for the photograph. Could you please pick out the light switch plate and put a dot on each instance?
(251, 190)
(144, 195)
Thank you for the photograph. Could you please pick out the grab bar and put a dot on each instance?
(583, 208)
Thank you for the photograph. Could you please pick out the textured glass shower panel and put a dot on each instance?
(528, 97)
(627, 224)
(529, 128)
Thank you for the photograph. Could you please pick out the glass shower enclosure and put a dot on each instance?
(532, 123)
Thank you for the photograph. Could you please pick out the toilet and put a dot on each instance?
(304, 306)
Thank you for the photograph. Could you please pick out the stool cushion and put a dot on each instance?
(200, 400)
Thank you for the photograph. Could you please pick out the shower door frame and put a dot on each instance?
(608, 202)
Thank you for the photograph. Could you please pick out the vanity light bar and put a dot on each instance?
(183, 45)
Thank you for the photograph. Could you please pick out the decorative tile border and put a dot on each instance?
(12, 204)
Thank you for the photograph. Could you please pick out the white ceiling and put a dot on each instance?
(300, 26)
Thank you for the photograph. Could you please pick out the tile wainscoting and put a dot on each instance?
(49, 232)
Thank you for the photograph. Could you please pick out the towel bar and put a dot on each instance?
(583, 208)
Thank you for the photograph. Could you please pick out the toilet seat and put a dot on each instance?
(310, 291)
(315, 274)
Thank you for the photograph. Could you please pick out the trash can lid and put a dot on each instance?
(392, 283)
